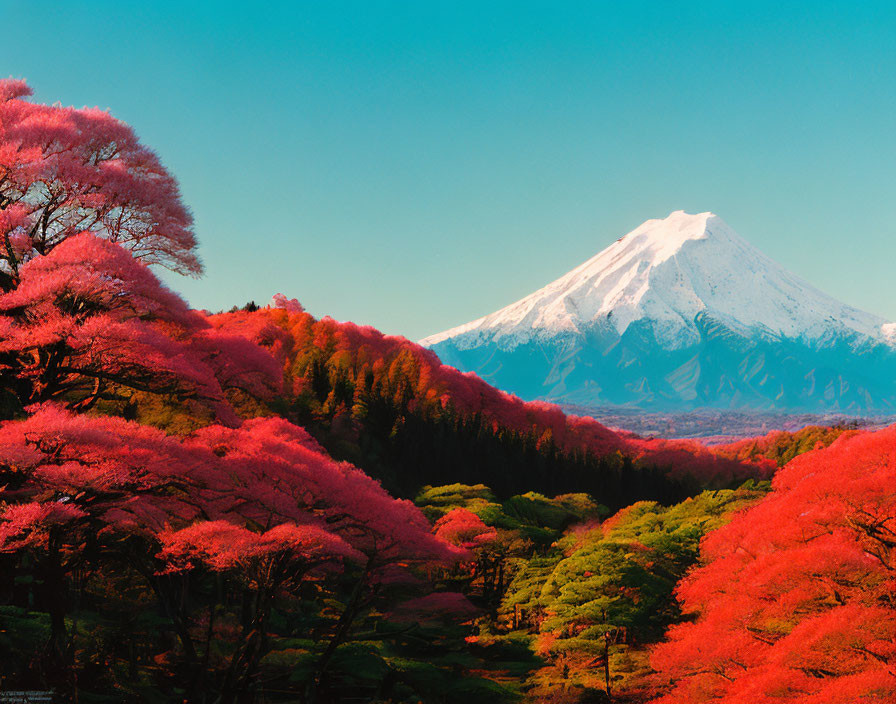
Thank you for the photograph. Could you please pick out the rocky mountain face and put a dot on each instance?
(682, 313)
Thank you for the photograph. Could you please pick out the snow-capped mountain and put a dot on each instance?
(682, 313)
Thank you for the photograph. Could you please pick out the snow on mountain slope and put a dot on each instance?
(681, 313)
(667, 271)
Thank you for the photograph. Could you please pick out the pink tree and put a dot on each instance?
(76, 487)
(88, 319)
(267, 563)
(84, 207)
(283, 474)
(261, 503)
(465, 529)
(66, 170)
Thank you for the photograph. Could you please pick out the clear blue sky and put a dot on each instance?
(416, 165)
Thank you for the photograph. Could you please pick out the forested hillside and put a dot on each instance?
(781, 446)
(392, 408)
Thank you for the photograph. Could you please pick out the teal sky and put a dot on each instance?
(417, 165)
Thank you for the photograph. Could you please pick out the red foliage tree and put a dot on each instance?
(261, 502)
(71, 484)
(267, 563)
(796, 602)
(280, 472)
(464, 528)
(88, 318)
(66, 170)
(277, 471)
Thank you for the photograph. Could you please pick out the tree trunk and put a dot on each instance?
(342, 628)
(607, 664)
(57, 662)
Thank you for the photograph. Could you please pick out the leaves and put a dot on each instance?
(796, 599)
(64, 171)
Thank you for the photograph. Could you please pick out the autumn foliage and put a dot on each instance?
(796, 601)
(85, 326)
(464, 528)
(260, 503)
(65, 170)
(202, 508)
(88, 320)
(781, 446)
(355, 379)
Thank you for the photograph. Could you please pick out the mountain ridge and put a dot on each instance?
(707, 319)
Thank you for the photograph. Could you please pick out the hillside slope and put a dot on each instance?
(391, 407)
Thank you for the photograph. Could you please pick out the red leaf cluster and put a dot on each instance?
(219, 496)
(796, 602)
(65, 170)
(88, 316)
(464, 528)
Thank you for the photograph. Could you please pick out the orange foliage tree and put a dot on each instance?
(796, 600)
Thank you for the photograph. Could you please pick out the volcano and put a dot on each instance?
(682, 313)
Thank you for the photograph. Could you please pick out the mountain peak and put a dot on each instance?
(667, 272)
(663, 237)
(681, 311)
(683, 221)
